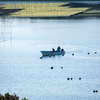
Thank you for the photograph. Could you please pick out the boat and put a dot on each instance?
(52, 53)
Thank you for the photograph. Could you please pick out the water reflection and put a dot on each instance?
(5, 30)
(52, 56)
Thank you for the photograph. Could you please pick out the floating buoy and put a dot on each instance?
(67, 78)
(71, 78)
(40, 57)
(61, 67)
(72, 54)
(79, 78)
(52, 67)
(88, 53)
(96, 91)
(95, 52)
(93, 90)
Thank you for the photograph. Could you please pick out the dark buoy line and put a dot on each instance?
(72, 78)
(69, 78)
(95, 91)
(94, 52)
(53, 67)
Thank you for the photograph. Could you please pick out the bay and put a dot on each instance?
(24, 73)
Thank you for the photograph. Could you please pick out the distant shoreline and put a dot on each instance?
(72, 10)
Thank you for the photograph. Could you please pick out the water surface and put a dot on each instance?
(24, 73)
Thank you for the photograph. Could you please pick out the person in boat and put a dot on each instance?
(53, 50)
(62, 50)
(58, 49)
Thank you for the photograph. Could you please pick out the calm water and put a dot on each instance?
(24, 73)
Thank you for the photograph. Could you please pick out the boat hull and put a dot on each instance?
(51, 53)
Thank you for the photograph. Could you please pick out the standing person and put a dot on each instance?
(58, 49)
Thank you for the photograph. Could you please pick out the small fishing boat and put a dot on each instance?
(52, 53)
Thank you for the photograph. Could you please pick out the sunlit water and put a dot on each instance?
(24, 73)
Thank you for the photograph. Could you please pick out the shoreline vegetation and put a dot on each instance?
(50, 10)
(7, 96)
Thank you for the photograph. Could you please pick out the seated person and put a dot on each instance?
(58, 49)
(53, 49)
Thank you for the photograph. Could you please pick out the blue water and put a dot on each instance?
(24, 73)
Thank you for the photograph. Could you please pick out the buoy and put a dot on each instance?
(40, 57)
(71, 78)
(67, 78)
(93, 90)
(95, 52)
(88, 53)
(79, 78)
(96, 91)
(52, 67)
(61, 67)
(72, 54)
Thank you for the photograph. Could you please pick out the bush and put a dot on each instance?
(10, 97)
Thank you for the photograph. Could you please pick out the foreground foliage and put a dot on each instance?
(10, 97)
